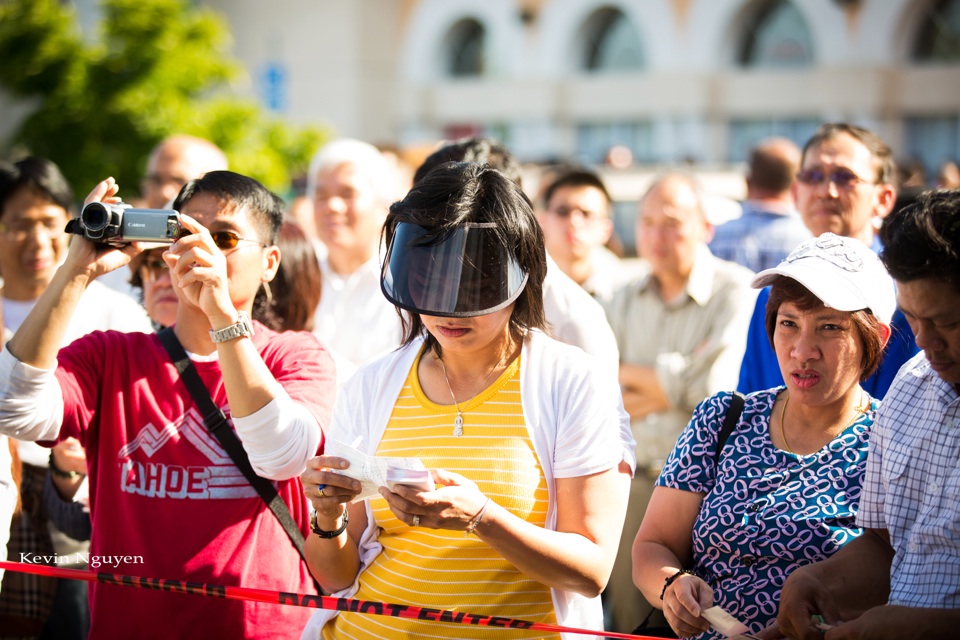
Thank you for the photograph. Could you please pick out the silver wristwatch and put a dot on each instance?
(240, 328)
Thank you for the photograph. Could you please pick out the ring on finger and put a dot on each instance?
(416, 521)
(320, 488)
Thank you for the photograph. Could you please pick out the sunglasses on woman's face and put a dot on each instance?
(227, 240)
(153, 268)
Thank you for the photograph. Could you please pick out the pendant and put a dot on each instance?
(458, 426)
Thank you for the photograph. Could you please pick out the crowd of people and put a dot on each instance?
(759, 416)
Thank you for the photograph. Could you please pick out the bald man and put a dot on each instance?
(770, 226)
(681, 324)
(174, 162)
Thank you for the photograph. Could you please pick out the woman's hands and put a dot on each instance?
(683, 601)
(334, 562)
(454, 504)
(322, 475)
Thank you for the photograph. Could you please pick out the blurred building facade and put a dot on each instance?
(672, 80)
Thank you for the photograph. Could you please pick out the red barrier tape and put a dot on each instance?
(301, 600)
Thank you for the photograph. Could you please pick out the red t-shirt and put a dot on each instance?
(164, 493)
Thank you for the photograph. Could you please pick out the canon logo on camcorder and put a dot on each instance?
(136, 224)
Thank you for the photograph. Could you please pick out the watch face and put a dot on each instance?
(242, 327)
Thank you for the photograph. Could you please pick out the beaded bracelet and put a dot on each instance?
(669, 581)
(473, 523)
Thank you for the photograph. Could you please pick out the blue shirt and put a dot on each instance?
(760, 369)
(758, 239)
(767, 512)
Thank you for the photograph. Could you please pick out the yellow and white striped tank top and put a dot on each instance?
(443, 569)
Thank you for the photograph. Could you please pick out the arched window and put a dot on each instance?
(939, 38)
(777, 37)
(610, 43)
(464, 49)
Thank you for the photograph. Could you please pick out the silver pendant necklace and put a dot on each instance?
(458, 421)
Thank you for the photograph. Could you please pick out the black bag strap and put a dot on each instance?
(729, 423)
(217, 424)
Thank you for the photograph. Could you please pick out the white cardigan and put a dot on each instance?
(577, 424)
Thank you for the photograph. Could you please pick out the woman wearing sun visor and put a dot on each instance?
(522, 438)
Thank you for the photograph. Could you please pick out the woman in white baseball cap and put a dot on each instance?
(730, 520)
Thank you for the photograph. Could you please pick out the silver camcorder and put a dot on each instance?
(122, 224)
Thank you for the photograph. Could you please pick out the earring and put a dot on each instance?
(267, 292)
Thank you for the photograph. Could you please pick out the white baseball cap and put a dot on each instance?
(843, 272)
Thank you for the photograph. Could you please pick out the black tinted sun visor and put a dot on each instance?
(462, 273)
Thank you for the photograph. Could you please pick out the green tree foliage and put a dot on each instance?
(155, 67)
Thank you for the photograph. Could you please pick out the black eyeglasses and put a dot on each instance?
(843, 178)
(226, 240)
(566, 212)
(18, 230)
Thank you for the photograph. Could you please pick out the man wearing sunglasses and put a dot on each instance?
(845, 186)
(166, 499)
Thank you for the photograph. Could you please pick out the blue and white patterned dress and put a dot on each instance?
(770, 511)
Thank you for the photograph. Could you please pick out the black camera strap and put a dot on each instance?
(730, 422)
(217, 424)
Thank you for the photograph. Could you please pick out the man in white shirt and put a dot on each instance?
(35, 200)
(576, 226)
(352, 184)
(8, 488)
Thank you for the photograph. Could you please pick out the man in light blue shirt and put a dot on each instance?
(770, 226)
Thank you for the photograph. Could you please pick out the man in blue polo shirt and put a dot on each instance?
(845, 186)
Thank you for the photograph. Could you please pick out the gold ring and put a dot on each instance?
(320, 489)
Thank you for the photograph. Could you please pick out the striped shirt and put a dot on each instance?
(443, 569)
(912, 486)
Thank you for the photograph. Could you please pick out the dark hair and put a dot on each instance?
(922, 240)
(456, 193)
(266, 208)
(295, 290)
(481, 150)
(575, 178)
(882, 155)
(38, 174)
(866, 324)
(770, 170)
